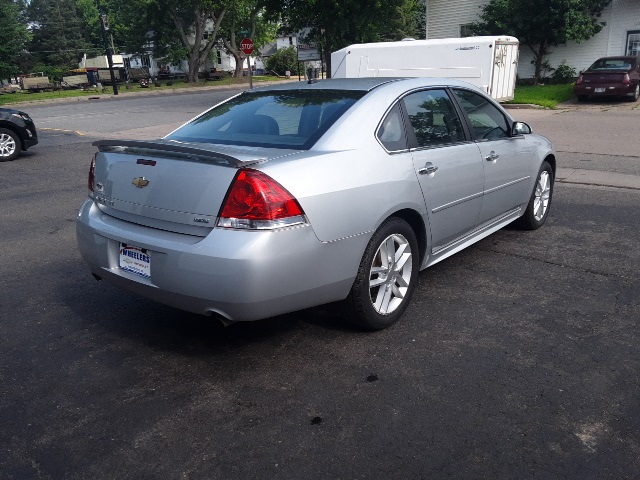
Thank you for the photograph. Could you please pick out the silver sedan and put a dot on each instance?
(296, 195)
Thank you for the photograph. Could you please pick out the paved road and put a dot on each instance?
(597, 140)
(517, 359)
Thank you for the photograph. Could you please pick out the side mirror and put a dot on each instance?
(520, 128)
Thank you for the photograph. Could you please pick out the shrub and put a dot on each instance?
(285, 59)
(563, 74)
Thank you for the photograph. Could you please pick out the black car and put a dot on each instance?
(17, 132)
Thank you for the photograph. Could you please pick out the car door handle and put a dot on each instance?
(492, 157)
(428, 169)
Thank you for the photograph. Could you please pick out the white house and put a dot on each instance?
(620, 36)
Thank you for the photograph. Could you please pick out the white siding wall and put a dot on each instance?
(286, 41)
(445, 17)
(625, 16)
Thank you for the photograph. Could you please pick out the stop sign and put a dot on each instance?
(247, 46)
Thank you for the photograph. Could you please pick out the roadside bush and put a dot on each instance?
(563, 74)
(285, 59)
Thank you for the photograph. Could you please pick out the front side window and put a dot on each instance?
(278, 119)
(487, 121)
(433, 118)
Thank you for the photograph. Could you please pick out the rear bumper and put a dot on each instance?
(604, 90)
(240, 275)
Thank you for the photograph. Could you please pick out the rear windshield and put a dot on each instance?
(612, 64)
(292, 119)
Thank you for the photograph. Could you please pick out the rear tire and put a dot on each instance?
(636, 94)
(10, 145)
(538, 208)
(386, 278)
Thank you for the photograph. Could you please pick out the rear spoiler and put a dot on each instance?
(176, 149)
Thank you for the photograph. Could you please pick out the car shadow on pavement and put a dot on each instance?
(102, 306)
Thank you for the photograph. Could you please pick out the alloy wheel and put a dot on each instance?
(7, 145)
(542, 195)
(390, 274)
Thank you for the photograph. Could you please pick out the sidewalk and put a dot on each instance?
(596, 177)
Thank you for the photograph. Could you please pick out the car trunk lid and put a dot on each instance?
(169, 185)
(604, 77)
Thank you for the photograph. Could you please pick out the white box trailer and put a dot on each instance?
(491, 63)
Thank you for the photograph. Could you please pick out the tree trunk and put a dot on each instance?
(194, 67)
(327, 62)
(197, 53)
(538, 57)
(239, 58)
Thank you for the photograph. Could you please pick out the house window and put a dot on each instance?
(218, 57)
(144, 60)
(290, 40)
(465, 31)
(633, 43)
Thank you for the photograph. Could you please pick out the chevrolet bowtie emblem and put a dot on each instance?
(140, 182)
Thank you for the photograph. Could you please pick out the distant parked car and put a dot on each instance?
(17, 133)
(295, 195)
(610, 77)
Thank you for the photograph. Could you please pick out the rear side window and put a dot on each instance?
(487, 121)
(391, 132)
(612, 64)
(433, 118)
(279, 119)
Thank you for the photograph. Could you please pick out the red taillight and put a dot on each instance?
(257, 201)
(92, 174)
(580, 80)
(626, 80)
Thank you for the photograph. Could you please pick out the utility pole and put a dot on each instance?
(104, 21)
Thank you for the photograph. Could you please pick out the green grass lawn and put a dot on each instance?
(545, 95)
(20, 96)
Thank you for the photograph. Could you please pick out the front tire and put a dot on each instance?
(386, 278)
(9, 145)
(538, 208)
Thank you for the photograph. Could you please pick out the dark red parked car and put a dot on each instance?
(610, 76)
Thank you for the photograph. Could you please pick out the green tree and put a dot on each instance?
(178, 30)
(335, 24)
(245, 18)
(406, 23)
(59, 34)
(13, 37)
(174, 29)
(542, 24)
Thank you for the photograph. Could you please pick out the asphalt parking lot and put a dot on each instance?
(518, 357)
